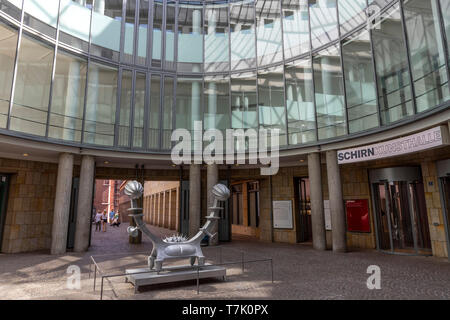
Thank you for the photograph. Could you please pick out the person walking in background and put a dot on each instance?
(98, 221)
(111, 216)
(116, 220)
(105, 220)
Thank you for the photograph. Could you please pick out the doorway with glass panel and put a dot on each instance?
(401, 220)
(443, 171)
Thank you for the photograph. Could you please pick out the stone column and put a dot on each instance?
(84, 204)
(194, 198)
(212, 174)
(316, 195)
(338, 225)
(62, 204)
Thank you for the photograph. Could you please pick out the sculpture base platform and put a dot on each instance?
(172, 274)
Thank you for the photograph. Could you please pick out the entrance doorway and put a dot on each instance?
(303, 200)
(4, 184)
(443, 170)
(401, 220)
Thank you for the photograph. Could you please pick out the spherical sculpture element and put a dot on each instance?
(221, 192)
(134, 190)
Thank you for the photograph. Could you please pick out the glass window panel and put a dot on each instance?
(153, 123)
(106, 28)
(428, 65)
(170, 35)
(130, 14)
(125, 108)
(66, 110)
(216, 38)
(300, 102)
(12, 8)
(143, 32)
(243, 103)
(269, 38)
(190, 38)
(359, 75)
(324, 28)
(188, 102)
(295, 27)
(157, 33)
(167, 112)
(217, 103)
(42, 15)
(272, 112)
(445, 10)
(329, 94)
(101, 105)
(74, 23)
(139, 110)
(32, 89)
(392, 67)
(8, 44)
(351, 14)
(242, 28)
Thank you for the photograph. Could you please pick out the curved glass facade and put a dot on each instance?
(122, 74)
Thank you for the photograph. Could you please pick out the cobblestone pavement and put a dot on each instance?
(299, 273)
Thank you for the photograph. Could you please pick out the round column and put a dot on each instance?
(194, 198)
(212, 173)
(316, 196)
(62, 204)
(338, 224)
(84, 204)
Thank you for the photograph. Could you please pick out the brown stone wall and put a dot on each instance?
(29, 214)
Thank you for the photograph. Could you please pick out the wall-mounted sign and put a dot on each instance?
(327, 213)
(282, 215)
(357, 215)
(430, 138)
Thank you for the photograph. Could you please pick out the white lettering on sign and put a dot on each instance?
(420, 141)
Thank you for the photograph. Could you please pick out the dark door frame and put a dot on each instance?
(3, 205)
(443, 172)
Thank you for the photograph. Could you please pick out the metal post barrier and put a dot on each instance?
(198, 279)
(95, 276)
(101, 291)
(271, 268)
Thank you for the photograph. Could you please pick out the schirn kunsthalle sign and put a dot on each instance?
(420, 141)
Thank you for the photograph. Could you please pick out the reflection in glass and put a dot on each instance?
(268, 34)
(32, 88)
(216, 38)
(153, 122)
(323, 16)
(392, 67)
(141, 57)
(106, 26)
(167, 112)
(101, 106)
(428, 65)
(242, 28)
(157, 33)
(74, 23)
(445, 10)
(351, 14)
(217, 102)
(66, 110)
(170, 35)
(139, 110)
(130, 13)
(329, 93)
(125, 108)
(300, 102)
(272, 113)
(12, 7)
(295, 27)
(42, 15)
(188, 102)
(190, 38)
(243, 103)
(359, 75)
(8, 43)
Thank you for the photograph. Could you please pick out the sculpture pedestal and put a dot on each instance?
(172, 274)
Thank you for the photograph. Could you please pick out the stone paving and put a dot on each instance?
(299, 273)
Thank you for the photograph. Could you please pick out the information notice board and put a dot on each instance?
(282, 215)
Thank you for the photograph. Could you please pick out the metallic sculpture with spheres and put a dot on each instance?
(175, 247)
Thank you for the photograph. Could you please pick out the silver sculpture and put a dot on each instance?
(177, 246)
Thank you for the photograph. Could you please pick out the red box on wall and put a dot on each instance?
(357, 215)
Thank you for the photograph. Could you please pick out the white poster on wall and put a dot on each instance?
(327, 213)
(282, 215)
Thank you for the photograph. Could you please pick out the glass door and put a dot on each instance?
(3, 199)
(303, 199)
(400, 213)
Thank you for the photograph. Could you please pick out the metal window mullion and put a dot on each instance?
(311, 57)
(146, 111)
(55, 52)
(122, 31)
(150, 34)
(118, 105)
(135, 55)
(87, 76)
(175, 39)
(16, 62)
(284, 75)
(256, 68)
(230, 98)
(444, 46)
(131, 121)
(405, 38)
(174, 103)
(341, 57)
